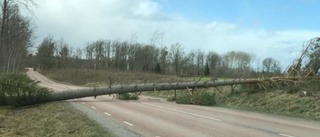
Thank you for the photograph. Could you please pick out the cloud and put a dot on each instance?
(82, 21)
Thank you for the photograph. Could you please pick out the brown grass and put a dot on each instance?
(51, 119)
(275, 103)
(87, 77)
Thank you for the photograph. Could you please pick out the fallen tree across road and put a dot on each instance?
(275, 82)
(96, 91)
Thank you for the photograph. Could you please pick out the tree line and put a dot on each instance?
(129, 56)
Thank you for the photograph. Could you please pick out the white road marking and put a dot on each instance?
(281, 134)
(93, 107)
(128, 123)
(183, 112)
(75, 99)
(83, 103)
(107, 113)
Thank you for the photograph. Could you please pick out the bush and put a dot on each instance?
(171, 98)
(18, 90)
(184, 99)
(128, 96)
(201, 97)
(204, 98)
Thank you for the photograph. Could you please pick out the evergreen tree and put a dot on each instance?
(207, 70)
(157, 69)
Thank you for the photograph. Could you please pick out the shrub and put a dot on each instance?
(128, 96)
(171, 98)
(201, 97)
(184, 99)
(204, 98)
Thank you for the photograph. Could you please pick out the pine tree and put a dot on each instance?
(157, 69)
(207, 70)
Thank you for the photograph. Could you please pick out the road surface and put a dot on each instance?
(158, 118)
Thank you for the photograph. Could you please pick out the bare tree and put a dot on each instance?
(200, 61)
(270, 67)
(164, 59)
(176, 54)
(213, 60)
(156, 38)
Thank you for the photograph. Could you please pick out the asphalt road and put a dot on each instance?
(158, 118)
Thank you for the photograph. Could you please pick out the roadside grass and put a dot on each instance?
(274, 103)
(51, 119)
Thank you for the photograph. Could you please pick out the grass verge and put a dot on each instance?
(51, 119)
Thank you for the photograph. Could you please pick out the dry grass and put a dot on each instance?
(277, 103)
(86, 77)
(273, 102)
(51, 119)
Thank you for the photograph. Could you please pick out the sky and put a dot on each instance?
(265, 28)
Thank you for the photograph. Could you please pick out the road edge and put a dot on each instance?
(107, 123)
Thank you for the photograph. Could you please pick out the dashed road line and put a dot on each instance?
(183, 112)
(83, 103)
(107, 113)
(285, 135)
(128, 123)
(93, 107)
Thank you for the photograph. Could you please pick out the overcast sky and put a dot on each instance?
(271, 28)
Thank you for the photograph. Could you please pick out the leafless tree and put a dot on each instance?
(271, 67)
(200, 62)
(176, 55)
